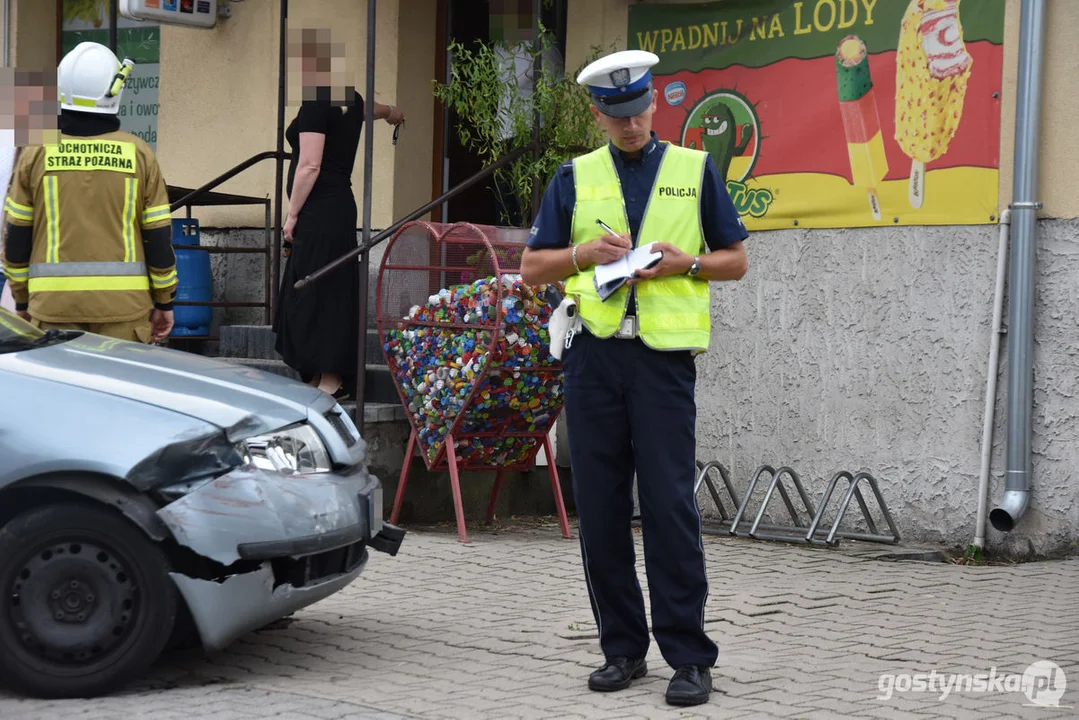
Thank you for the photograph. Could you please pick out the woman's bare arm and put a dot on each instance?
(390, 113)
(307, 170)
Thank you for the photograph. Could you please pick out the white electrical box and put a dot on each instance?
(189, 13)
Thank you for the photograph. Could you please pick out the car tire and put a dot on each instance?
(87, 602)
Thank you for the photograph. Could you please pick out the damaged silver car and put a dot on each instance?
(149, 494)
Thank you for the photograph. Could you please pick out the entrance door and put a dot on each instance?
(470, 22)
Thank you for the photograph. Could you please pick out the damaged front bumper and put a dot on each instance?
(273, 544)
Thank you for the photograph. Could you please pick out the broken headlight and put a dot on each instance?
(296, 449)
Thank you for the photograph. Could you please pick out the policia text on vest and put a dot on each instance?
(673, 312)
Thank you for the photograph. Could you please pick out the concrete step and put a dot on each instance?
(247, 341)
(380, 387)
(257, 342)
(375, 412)
(276, 367)
(374, 347)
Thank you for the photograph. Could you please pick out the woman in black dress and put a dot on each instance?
(317, 328)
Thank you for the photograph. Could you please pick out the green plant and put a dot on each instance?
(91, 11)
(972, 555)
(487, 101)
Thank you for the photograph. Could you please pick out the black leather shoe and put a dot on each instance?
(691, 685)
(617, 674)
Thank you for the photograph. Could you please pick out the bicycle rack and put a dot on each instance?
(795, 532)
(702, 475)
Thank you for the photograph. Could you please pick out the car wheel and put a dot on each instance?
(87, 602)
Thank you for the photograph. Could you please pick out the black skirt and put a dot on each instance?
(317, 328)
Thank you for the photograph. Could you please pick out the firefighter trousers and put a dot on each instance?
(133, 330)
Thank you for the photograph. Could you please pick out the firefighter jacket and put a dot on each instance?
(89, 201)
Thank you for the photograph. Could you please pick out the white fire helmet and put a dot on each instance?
(90, 79)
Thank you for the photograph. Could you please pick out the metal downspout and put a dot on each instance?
(1022, 276)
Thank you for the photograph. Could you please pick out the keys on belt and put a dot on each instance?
(628, 329)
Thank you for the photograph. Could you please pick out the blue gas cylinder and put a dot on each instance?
(195, 283)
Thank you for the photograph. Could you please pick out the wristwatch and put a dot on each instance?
(695, 267)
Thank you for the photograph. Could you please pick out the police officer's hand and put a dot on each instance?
(161, 324)
(674, 262)
(604, 249)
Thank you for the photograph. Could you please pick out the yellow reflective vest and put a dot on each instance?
(89, 199)
(673, 312)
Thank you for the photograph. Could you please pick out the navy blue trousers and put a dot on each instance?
(632, 408)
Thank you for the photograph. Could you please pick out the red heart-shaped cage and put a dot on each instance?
(466, 342)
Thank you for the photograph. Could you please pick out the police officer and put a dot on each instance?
(630, 372)
(89, 236)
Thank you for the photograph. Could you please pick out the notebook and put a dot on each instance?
(612, 276)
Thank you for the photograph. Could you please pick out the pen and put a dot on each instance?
(606, 227)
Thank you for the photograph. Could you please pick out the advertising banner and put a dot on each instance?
(87, 20)
(835, 113)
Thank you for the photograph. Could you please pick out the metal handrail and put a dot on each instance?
(363, 251)
(227, 175)
(385, 234)
(271, 260)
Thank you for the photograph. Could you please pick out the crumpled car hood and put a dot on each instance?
(240, 400)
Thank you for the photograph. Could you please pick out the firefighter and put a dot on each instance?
(89, 236)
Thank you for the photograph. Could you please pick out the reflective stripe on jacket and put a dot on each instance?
(89, 199)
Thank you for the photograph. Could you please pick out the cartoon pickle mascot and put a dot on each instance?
(718, 137)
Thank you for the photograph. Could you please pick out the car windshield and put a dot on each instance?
(17, 334)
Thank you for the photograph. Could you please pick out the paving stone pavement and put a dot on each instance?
(501, 628)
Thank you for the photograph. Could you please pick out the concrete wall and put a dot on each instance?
(217, 106)
(868, 351)
(237, 277)
(415, 150)
(218, 100)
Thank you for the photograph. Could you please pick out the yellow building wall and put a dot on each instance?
(218, 100)
(416, 143)
(1058, 177)
(33, 34)
(216, 106)
(603, 22)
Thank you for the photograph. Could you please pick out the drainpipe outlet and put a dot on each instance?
(1011, 508)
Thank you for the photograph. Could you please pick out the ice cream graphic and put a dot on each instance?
(719, 136)
(861, 121)
(932, 71)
